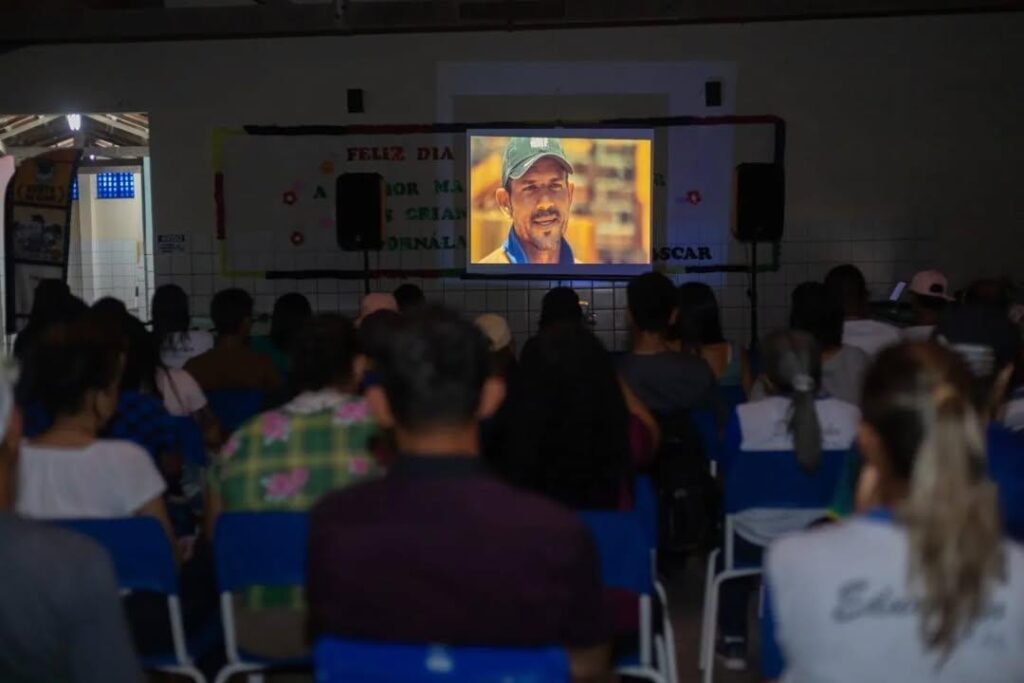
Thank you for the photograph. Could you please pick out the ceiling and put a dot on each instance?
(100, 134)
(25, 22)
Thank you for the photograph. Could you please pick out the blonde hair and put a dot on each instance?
(917, 398)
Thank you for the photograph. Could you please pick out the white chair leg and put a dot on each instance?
(707, 627)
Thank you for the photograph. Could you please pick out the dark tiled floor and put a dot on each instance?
(685, 587)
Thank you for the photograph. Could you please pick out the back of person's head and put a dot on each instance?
(560, 304)
(698, 321)
(848, 285)
(290, 312)
(651, 298)
(499, 340)
(231, 311)
(142, 357)
(73, 364)
(373, 302)
(791, 362)
(376, 331)
(815, 311)
(323, 354)
(409, 297)
(994, 293)
(49, 301)
(433, 371)
(109, 308)
(170, 312)
(924, 451)
(564, 426)
(989, 343)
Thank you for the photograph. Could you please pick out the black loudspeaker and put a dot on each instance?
(713, 93)
(355, 101)
(759, 193)
(359, 209)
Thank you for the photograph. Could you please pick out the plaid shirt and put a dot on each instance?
(286, 459)
(139, 418)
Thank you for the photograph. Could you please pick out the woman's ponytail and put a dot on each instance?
(793, 366)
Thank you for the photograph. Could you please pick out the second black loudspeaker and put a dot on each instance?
(359, 211)
(759, 200)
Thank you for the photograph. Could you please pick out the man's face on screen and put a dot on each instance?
(538, 204)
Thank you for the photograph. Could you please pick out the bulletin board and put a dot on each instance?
(274, 189)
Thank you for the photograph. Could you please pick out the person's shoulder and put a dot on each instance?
(497, 256)
(119, 449)
(45, 543)
(840, 407)
(813, 550)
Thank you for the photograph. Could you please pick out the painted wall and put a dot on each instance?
(107, 245)
(903, 149)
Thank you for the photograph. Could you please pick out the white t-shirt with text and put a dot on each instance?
(843, 612)
(108, 478)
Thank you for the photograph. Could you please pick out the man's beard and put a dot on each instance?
(546, 238)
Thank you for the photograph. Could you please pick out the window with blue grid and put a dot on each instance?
(115, 185)
(74, 189)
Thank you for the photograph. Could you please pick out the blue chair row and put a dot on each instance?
(142, 559)
(233, 407)
(761, 480)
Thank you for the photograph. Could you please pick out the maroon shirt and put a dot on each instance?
(439, 551)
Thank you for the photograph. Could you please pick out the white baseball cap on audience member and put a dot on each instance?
(931, 283)
(496, 329)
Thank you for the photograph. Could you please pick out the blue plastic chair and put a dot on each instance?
(190, 440)
(645, 504)
(624, 550)
(257, 549)
(142, 559)
(234, 407)
(350, 661)
(762, 479)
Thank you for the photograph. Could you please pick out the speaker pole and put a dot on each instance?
(752, 293)
(366, 271)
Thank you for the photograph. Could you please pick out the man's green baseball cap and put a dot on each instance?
(522, 153)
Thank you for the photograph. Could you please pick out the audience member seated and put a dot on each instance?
(842, 366)
(698, 329)
(667, 381)
(231, 364)
(52, 303)
(500, 342)
(929, 297)
(847, 284)
(376, 301)
(560, 304)
(990, 344)
(920, 586)
(563, 430)
(290, 312)
(171, 321)
(285, 459)
(409, 297)
(439, 551)
(68, 471)
(60, 613)
(995, 293)
(794, 417)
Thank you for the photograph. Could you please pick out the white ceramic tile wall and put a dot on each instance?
(805, 254)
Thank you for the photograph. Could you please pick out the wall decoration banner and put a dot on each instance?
(37, 228)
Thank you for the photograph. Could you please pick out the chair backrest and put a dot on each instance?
(233, 407)
(138, 547)
(190, 440)
(347, 661)
(645, 505)
(260, 549)
(774, 479)
(623, 548)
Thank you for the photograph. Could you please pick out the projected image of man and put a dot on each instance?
(536, 195)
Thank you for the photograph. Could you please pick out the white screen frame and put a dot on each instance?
(580, 271)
